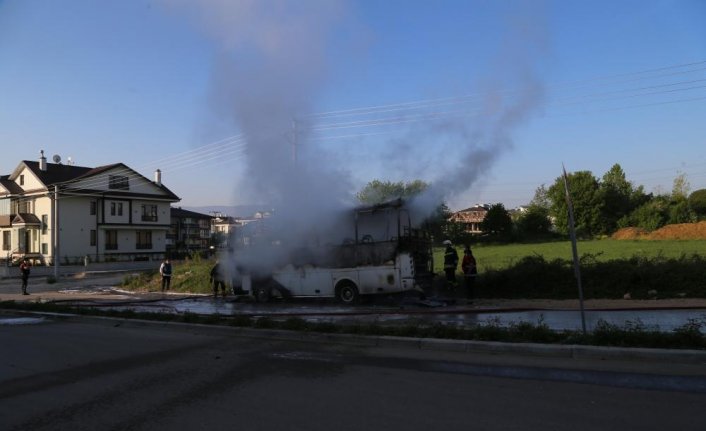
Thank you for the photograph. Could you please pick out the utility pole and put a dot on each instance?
(574, 249)
(55, 223)
(295, 137)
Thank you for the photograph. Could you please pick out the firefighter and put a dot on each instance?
(450, 263)
(470, 271)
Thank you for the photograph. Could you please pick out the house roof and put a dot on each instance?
(10, 186)
(182, 213)
(26, 218)
(57, 173)
(475, 208)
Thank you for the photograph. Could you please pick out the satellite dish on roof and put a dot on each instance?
(56, 158)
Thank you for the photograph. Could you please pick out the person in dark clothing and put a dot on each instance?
(450, 263)
(470, 271)
(166, 271)
(24, 273)
(218, 279)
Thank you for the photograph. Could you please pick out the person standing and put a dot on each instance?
(470, 271)
(165, 270)
(24, 273)
(450, 263)
(217, 279)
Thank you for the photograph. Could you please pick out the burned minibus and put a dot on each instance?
(381, 252)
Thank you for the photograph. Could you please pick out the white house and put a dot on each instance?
(107, 213)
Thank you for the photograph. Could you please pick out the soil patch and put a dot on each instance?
(672, 231)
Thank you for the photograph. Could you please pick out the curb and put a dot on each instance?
(432, 344)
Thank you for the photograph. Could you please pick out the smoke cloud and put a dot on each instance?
(269, 70)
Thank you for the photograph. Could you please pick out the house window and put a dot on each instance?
(24, 206)
(93, 237)
(45, 224)
(118, 182)
(45, 248)
(6, 240)
(120, 208)
(143, 240)
(111, 239)
(93, 207)
(112, 208)
(149, 212)
(22, 180)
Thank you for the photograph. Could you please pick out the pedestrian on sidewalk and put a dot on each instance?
(165, 271)
(470, 271)
(24, 273)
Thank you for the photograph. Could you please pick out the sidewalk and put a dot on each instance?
(98, 283)
(66, 287)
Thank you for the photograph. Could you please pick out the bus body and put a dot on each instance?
(384, 255)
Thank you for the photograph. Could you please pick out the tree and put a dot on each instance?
(534, 222)
(377, 192)
(497, 221)
(617, 194)
(679, 212)
(541, 198)
(649, 216)
(680, 188)
(697, 202)
(587, 202)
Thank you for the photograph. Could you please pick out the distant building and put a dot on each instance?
(106, 213)
(189, 231)
(224, 227)
(516, 213)
(471, 218)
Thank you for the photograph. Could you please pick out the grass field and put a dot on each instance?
(502, 256)
(610, 269)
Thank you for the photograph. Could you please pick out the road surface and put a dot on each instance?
(105, 374)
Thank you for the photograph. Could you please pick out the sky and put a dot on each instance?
(298, 102)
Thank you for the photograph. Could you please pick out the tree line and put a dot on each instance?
(601, 206)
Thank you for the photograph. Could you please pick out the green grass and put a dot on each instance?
(191, 276)
(609, 268)
(498, 257)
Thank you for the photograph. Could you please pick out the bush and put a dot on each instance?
(533, 277)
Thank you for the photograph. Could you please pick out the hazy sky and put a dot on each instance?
(485, 99)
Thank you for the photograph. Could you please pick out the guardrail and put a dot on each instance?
(44, 271)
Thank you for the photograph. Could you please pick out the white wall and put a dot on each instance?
(76, 222)
(136, 182)
(31, 181)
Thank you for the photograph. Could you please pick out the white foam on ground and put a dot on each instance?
(8, 321)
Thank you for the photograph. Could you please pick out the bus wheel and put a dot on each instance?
(347, 293)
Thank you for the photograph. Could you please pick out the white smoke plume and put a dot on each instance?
(271, 63)
(269, 70)
(512, 95)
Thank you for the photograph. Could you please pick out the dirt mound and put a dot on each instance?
(630, 233)
(671, 231)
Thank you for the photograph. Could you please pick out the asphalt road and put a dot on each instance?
(102, 374)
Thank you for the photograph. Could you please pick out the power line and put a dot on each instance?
(453, 99)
